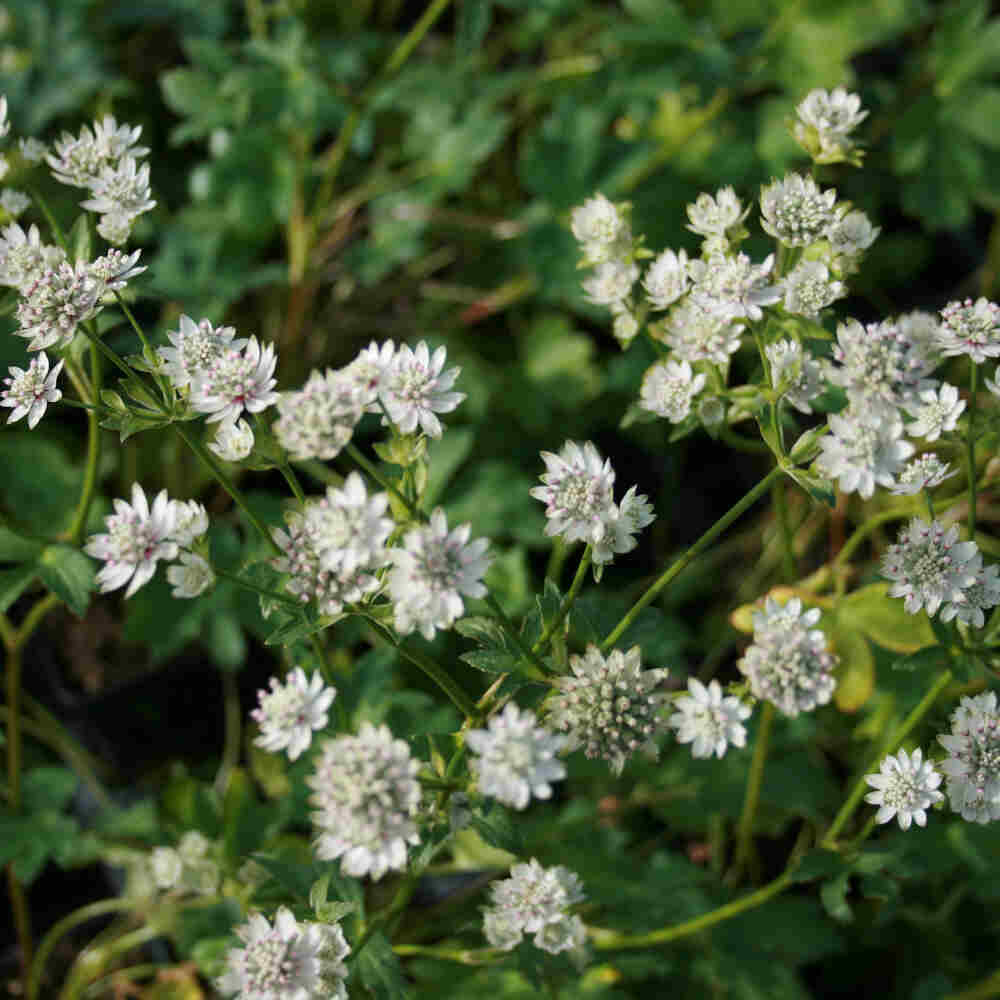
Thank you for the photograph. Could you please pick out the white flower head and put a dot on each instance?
(416, 388)
(194, 347)
(577, 493)
(138, 536)
(319, 419)
(289, 961)
(708, 721)
(624, 522)
(611, 283)
(121, 190)
(624, 327)
(788, 662)
(922, 473)
(825, 121)
(14, 202)
(369, 371)
(972, 768)
(535, 900)
(865, 448)
(796, 371)
(24, 258)
(190, 522)
(978, 597)
(809, 289)
(733, 287)
(366, 793)
(79, 160)
(56, 303)
(609, 706)
(795, 212)
(936, 411)
(667, 279)
(191, 576)
(600, 228)
(905, 788)
(971, 328)
(715, 216)
(851, 233)
(236, 380)
(668, 388)
(515, 759)
(696, 333)
(116, 269)
(431, 573)
(233, 441)
(32, 149)
(29, 391)
(929, 566)
(291, 711)
(166, 866)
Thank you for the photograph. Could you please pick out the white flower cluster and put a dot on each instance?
(579, 503)
(367, 794)
(972, 768)
(105, 160)
(796, 373)
(905, 787)
(709, 721)
(515, 759)
(609, 707)
(333, 547)
(931, 569)
(139, 536)
(29, 391)
(290, 712)
(788, 663)
(825, 122)
(187, 867)
(536, 900)
(12, 201)
(289, 961)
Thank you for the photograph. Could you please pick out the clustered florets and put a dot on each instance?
(972, 768)
(291, 711)
(29, 391)
(905, 787)
(708, 720)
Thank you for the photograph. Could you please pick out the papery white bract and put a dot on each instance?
(850, 234)
(601, 229)
(714, 216)
(415, 388)
(732, 287)
(611, 283)
(667, 279)
(936, 411)
(905, 788)
(78, 160)
(291, 711)
(795, 212)
(799, 374)
(922, 473)
(190, 522)
(233, 441)
(577, 493)
(695, 333)
(981, 595)
(625, 520)
(236, 380)
(24, 258)
(190, 576)
(709, 721)
(29, 391)
(668, 388)
(826, 119)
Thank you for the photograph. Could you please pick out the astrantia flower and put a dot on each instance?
(137, 538)
(936, 411)
(515, 759)
(809, 289)
(977, 598)
(78, 160)
(121, 190)
(826, 119)
(191, 576)
(29, 391)
(166, 866)
(733, 287)
(535, 900)
(24, 258)
(289, 961)
(878, 362)
(865, 448)
(797, 372)
(366, 793)
(668, 388)
(922, 329)
(714, 216)
(971, 328)
(415, 389)
(600, 228)
(788, 663)
(667, 279)
(236, 380)
(577, 493)
(609, 706)
(233, 442)
(625, 326)
(795, 212)
(370, 369)
(14, 202)
(194, 348)
(115, 269)
(32, 149)
(929, 566)
(190, 522)
(431, 572)
(611, 282)
(972, 768)
(922, 473)
(56, 303)
(319, 419)
(291, 711)
(709, 721)
(850, 234)
(905, 787)
(695, 333)
(623, 523)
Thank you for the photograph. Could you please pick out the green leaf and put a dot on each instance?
(834, 898)
(13, 583)
(816, 864)
(820, 489)
(884, 619)
(69, 574)
(498, 829)
(42, 494)
(18, 548)
(855, 673)
(472, 23)
(491, 661)
(48, 788)
(928, 658)
(380, 971)
(79, 239)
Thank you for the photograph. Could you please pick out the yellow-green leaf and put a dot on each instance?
(856, 672)
(884, 620)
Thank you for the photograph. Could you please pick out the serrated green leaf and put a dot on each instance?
(48, 788)
(18, 548)
(498, 829)
(490, 661)
(928, 658)
(884, 619)
(380, 971)
(816, 864)
(13, 583)
(69, 574)
(833, 895)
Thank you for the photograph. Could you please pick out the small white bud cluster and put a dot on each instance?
(186, 868)
(609, 707)
(797, 373)
(788, 663)
(536, 900)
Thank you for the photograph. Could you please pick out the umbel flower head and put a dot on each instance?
(796, 371)
(431, 573)
(715, 216)
(56, 303)
(515, 759)
(788, 663)
(972, 768)
(929, 566)
(29, 391)
(696, 333)
(625, 521)
(577, 493)
(809, 289)
(922, 473)
(79, 160)
(289, 961)
(667, 279)
(194, 348)
(601, 230)
(795, 212)
(137, 538)
(290, 712)
(366, 793)
(709, 721)
(190, 576)
(825, 121)
(971, 328)
(319, 419)
(936, 411)
(24, 258)
(236, 380)
(609, 707)
(535, 900)
(905, 787)
(233, 442)
(732, 287)
(415, 388)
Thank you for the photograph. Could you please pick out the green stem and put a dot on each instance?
(829, 839)
(787, 535)
(93, 454)
(567, 601)
(293, 482)
(706, 539)
(539, 670)
(970, 453)
(983, 990)
(93, 961)
(232, 725)
(464, 956)
(744, 835)
(741, 443)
